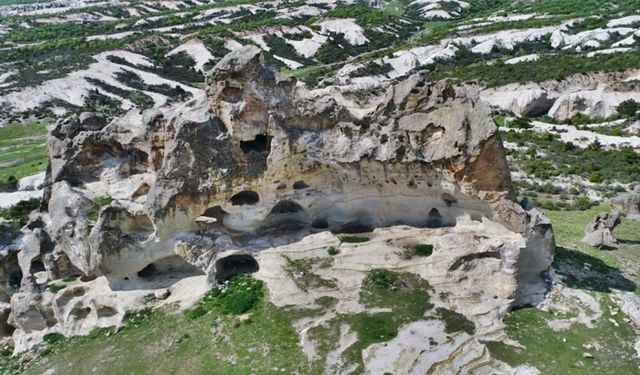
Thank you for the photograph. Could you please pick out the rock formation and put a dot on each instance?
(221, 184)
(591, 95)
(628, 204)
(599, 232)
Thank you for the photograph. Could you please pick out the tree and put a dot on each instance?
(628, 108)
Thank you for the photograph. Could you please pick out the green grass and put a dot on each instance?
(23, 151)
(561, 352)
(616, 269)
(159, 342)
(236, 297)
(353, 239)
(55, 288)
(455, 322)
(407, 295)
(302, 273)
(423, 250)
(104, 200)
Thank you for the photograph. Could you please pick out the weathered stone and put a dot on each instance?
(160, 196)
(599, 232)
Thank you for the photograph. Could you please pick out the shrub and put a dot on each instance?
(354, 239)
(380, 278)
(55, 288)
(333, 251)
(19, 212)
(53, 338)
(423, 250)
(104, 200)
(628, 108)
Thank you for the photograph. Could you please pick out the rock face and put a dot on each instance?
(260, 163)
(591, 95)
(628, 204)
(599, 232)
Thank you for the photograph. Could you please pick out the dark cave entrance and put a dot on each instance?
(234, 265)
(260, 144)
(246, 197)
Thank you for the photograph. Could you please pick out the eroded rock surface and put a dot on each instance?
(599, 232)
(226, 182)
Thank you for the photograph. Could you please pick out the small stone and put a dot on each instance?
(587, 355)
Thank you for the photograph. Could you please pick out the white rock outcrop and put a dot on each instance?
(259, 166)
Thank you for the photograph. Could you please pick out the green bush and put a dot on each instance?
(354, 239)
(333, 251)
(53, 338)
(628, 108)
(423, 250)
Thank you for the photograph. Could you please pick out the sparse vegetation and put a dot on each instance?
(455, 322)
(104, 200)
(333, 251)
(18, 214)
(354, 239)
(55, 288)
(302, 273)
(423, 250)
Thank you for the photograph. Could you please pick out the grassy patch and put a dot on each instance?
(18, 214)
(236, 297)
(455, 322)
(562, 352)
(55, 288)
(354, 239)
(159, 342)
(23, 151)
(104, 200)
(301, 272)
(423, 250)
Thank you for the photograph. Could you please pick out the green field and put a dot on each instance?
(23, 150)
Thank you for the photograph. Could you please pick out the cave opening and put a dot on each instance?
(246, 197)
(260, 144)
(286, 207)
(234, 265)
(36, 266)
(149, 271)
(434, 219)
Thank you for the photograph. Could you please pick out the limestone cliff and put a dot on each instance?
(260, 163)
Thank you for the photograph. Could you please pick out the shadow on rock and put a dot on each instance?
(580, 270)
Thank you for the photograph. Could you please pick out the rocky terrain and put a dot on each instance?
(261, 175)
(319, 187)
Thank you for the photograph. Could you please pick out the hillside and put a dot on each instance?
(319, 187)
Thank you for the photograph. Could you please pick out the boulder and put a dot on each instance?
(599, 232)
(628, 204)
